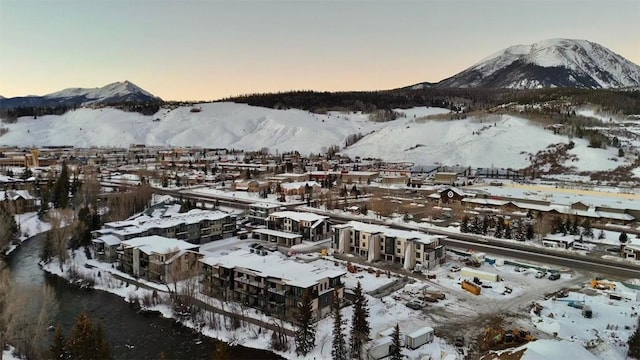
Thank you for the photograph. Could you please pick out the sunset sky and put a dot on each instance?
(206, 50)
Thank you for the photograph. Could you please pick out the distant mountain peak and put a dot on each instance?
(114, 93)
(550, 63)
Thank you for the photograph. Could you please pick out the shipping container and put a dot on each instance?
(483, 275)
(471, 287)
(419, 337)
(586, 311)
(380, 348)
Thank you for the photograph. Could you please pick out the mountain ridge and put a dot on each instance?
(549, 63)
(114, 93)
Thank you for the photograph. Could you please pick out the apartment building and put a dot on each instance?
(270, 282)
(196, 226)
(259, 212)
(159, 259)
(378, 242)
(288, 228)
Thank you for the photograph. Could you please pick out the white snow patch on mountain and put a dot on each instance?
(116, 89)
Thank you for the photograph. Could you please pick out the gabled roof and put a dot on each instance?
(158, 244)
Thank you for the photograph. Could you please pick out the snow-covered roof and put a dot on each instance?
(298, 216)
(559, 238)
(145, 222)
(298, 184)
(263, 205)
(564, 197)
(282, 234)
(389, 232)
(109, 240)
(15, 194)
(274, 265)
(155, 244)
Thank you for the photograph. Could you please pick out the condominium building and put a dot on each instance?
(270, 282)
(378, 242)
(158, 258)
(196, 226)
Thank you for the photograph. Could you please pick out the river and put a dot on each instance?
(131, 335)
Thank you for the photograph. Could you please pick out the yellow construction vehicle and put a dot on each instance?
(602, 284)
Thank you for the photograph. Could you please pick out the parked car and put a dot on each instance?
(455, 268)
(540, 275)
(554, 276)
(416, 304)
(518, 269)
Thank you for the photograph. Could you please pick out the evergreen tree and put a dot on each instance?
(306, 334)
(464, 224)
(396, 346)
(574, 226)
(623, 237)
(360, 328)
(339, 346)
(60, 191)
(634, 343)
(87, 342)
(58, 349)
(586, 228)
(44, 205)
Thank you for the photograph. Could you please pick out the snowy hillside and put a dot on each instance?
(550, 63)
(500, 141)
(215, 125)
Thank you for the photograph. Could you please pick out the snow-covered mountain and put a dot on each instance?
(550, 63)
(117, 92)
(496, 140)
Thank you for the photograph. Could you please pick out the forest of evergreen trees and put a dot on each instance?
(627, 102)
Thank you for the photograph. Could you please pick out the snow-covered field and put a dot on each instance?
(501, 141)
(606, 333)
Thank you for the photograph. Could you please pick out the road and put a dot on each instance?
(465, 241)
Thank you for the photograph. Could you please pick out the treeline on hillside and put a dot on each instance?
(11, 115)
(320, 102)
(458, 99)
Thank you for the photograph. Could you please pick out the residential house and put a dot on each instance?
(249, 185)
(378, 242)
(160, 259)
(19, 201)
(270, 283)
(300, 188)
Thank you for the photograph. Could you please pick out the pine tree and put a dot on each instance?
(396, 346)
(58, 349)
(60, 191)
(623, 237)
(360, 328)
(339, 345)
(464, 224)
(634, 343)
(306, 334)
(86, 342)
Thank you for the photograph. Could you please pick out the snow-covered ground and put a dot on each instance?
(606, 333)
(494, 140)
(29, 225)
